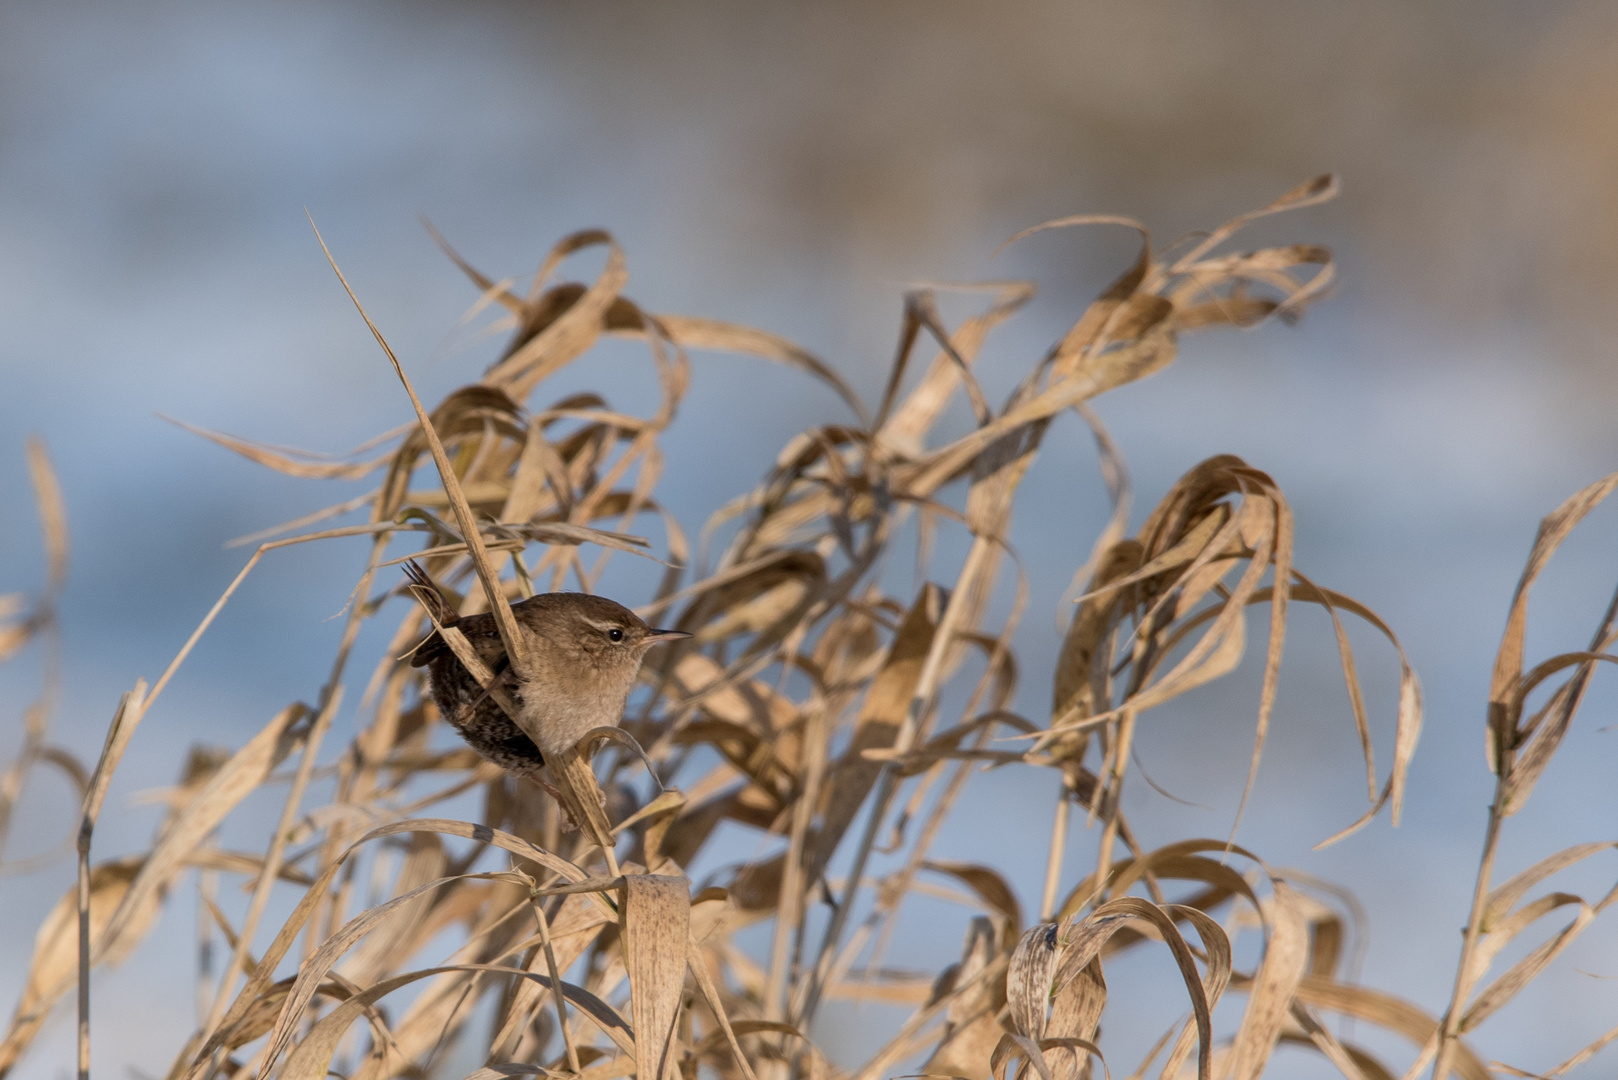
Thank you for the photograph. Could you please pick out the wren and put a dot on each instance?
(584, 653)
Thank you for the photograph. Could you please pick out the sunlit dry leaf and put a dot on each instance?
(1508, 663)
(656, 913)
(550, 339)
(695, 333)
(1086, 936)
(1520, 974)
(990, 887)
(232, 783)
(54, 966)
(1388, 1012)
(311, 1058)
(971, 1028)
(282, 462)
(52, 513)
(884, 708)
(1269, 998)
(1028, 980)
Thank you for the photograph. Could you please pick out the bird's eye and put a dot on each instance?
(615, 634)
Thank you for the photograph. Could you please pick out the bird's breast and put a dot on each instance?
(559, 720)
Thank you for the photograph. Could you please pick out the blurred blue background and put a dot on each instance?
(795, 167)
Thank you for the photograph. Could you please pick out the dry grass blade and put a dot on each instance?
(1509, 661)
(544, 347)
(246, 770)
(694, 333)
(1391, 1014)
(280, 461)
(261, 976)
(1520, 974)
(1584, 1054)
(314, 970)
(311, 1058)
(54, 964)
(1086, 937)
(121, 730)
(656, 913)
(1028, 980)
(509, 635)
(1322, 188)
(1506, 739)
(52, 514)
(1503, 899)
(1269, 1000)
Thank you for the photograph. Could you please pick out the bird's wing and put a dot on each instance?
(481, 633)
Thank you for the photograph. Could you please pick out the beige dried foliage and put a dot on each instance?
(808, 700)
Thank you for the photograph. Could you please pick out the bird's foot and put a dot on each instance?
(567, 823)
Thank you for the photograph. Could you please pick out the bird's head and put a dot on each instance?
(590, 638)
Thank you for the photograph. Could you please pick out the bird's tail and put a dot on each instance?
(427, 594)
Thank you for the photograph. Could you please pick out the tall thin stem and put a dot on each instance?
(119, 733)
(1450, 1029)
(271, 869)
(1053, 861)
(920, 702)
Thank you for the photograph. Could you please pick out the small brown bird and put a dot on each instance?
(585, 652)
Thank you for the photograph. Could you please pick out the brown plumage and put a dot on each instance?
(585, 652)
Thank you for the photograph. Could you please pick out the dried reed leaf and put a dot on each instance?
(695, 333)
(752, 705)
(1269, 998)
(1083, 663)
(1506, 896)
(1086, 937)
(1387, 1012)
(1520, 974)
(52, 514)
(1352, 1061)
(267, 456)
(1508, 663)
(1028, 980)
(656, 914)
(971, 1028)
(1407, 722)
(510, 636)
(716, 1005)
(554, 339)
(15, 636)
(989, 886)
(539, 466)
(239, 777)
(1179, 861)
(314, 970)
(259, 978)
(335, 510)
(1218, 975)
(1585, 1054)
(1076, 1014)
(1322, 188)
(311, 1058)
(54, 966)
(582, 796)
(883, 711)
(907, 425)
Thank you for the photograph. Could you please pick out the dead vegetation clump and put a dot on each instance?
(808, 706)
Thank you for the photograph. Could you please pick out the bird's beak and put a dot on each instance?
(658, 636)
